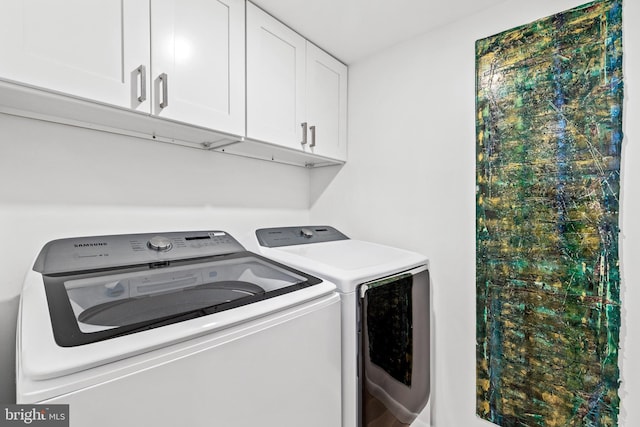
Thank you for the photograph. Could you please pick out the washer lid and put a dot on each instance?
(92, 306)
(40, 357)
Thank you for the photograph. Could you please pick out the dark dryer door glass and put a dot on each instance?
(394, 349)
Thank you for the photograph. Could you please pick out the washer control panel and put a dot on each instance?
(98, 252)
(287, 236)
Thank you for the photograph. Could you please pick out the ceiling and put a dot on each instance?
(354, 29)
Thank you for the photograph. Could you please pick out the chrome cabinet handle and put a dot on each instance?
(165, 90)
(304, 133)
(142, 76)
(313, 136)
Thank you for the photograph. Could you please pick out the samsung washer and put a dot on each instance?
(385, 318)
(177, 329)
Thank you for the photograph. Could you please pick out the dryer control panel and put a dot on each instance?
(103, 252)
(287, 236)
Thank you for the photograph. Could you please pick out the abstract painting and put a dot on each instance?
(549, 99)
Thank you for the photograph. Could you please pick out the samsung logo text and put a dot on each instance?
(89, 245)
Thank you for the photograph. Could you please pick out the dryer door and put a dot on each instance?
(394, 348)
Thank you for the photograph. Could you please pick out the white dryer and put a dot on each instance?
(177, 329)
(385, 318)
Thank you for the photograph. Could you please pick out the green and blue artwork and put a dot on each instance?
(549, 99)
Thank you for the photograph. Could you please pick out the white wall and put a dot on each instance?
(410, 182)
(60, 181)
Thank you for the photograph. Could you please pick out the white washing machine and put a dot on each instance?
(177, 329)
(385, 318)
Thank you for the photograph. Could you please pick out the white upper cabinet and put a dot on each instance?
(275, 80)
(326, 101)
(197, 62)
(182, 60)
(96, 49)
(296, 93)
(212, 74)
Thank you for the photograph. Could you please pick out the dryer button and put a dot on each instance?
(306, 233)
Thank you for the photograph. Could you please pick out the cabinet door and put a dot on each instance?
(275, 80)
(86, 48)
(326, 104)
(198, 62)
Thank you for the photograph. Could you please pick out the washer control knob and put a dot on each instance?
(159, 243)
(306, 233)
